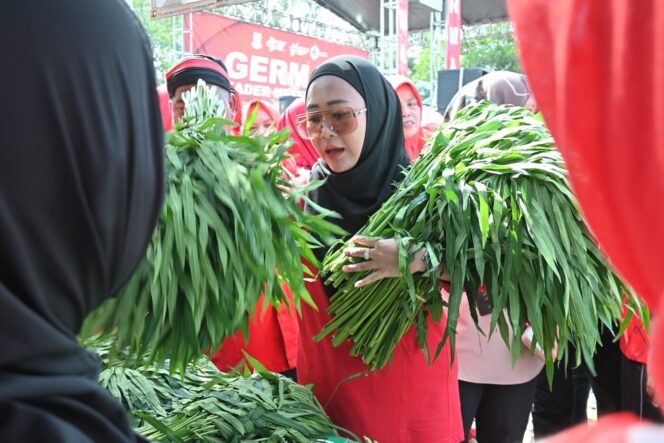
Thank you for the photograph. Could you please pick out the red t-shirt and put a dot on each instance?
(272, 340)
(634, 342)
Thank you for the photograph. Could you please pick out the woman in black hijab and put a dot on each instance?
(81, 185)
(354, 121)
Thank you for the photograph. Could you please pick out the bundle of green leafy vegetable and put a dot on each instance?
(230, 220)
(490, 201)
(206, 405)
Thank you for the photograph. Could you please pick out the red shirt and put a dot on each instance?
(634, 342)
(407, 401)
(272, 340)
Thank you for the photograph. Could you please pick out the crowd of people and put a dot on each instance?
(81, 187)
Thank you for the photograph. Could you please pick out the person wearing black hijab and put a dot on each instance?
(81, 186)
(354, 121)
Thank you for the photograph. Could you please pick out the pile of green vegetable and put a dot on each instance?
(210, 406)
(490, 199)
(230, 220)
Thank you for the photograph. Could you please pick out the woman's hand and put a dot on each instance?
(382, 257)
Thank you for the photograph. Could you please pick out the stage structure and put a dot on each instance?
(168, 8)
(380, 27)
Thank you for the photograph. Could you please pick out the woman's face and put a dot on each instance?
(335, 97)
(263, 125)
(410, 111)
(178, 105)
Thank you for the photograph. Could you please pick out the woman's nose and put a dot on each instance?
(327, 130)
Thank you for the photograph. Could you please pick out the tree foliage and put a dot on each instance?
(165, 46)
(491, 47)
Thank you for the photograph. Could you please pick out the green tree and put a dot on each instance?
(165, 42)
(491, 47)
(422, 68)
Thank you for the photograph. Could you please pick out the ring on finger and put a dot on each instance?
(367, 253)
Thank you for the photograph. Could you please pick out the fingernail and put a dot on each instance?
(358, 284)
(344, 268)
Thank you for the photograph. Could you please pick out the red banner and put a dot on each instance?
(262, 62)
(453, 58)
(402, 38)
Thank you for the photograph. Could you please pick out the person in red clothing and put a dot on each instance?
(597, 69)
(411, 110)
(272, 341)
(303, 152)
(266, 117)
(165, 107)
(265, 124)
(633, 372)
(184, 76)
(272, 332)
(354, 121)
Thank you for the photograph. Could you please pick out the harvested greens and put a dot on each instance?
(491, 199)
(230, 220)
(210, 406)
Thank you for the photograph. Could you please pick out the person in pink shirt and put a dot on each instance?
(495, 393)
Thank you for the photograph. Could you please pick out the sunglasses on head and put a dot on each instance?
(340, 120)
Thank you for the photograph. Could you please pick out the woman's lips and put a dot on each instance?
(333, 152)
(408, 124)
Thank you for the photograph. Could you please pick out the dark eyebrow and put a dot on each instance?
(330, 103)
(336, 102)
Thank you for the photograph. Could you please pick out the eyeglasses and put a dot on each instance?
(340, 120)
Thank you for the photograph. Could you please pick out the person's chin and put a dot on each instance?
(339, 165)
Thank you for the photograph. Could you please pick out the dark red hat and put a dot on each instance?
(197, 67)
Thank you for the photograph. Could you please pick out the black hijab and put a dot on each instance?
(81, 184)
(359, 192)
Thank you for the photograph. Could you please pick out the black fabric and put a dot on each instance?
(359, 192)
(635, 398)
(565, 404)
(500, 411)
(606, 383)
(191, 77)
(81, 184)
(290, 373)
